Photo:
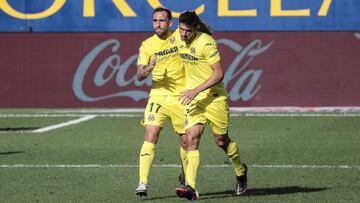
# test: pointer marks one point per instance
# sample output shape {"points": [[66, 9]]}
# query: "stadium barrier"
{"points": [[262, 69]]}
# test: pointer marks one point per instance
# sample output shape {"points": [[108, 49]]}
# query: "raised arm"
{"points": [[144, 70]]}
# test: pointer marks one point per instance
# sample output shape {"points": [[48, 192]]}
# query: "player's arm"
{"points": [[144, 70], [217, 76]]}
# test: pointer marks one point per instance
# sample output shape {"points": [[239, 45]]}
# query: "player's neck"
{"points": [[164, 36]]}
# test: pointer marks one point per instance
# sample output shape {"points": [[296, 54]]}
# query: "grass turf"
{"points": [[267, 144]]}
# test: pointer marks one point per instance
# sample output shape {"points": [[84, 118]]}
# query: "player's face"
{"points": [[161, 24], [187, 33]]}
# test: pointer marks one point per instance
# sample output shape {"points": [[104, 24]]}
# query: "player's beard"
{"points": [[185, 39], [188, 39], [161, 33]]}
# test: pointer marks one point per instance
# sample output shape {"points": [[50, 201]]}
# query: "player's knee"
{"points": [[193, 140], [222, 141], [183, 142], [152, 136]]}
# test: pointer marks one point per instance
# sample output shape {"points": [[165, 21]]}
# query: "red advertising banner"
{"points": [[262, 69]]}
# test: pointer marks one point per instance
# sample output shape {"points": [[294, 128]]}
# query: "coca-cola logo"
{"points": [[244, 80], [118, 71], [357, 35]]}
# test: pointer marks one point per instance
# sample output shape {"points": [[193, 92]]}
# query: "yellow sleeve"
{"points": [[144, 55], [211, 52]]}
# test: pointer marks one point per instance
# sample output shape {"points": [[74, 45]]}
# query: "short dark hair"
{"points": [[160, 9], [191, 19]]}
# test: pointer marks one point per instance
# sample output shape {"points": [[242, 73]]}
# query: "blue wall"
{"points": [[135, 15]]}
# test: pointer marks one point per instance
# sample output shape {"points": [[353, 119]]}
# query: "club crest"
{"points": [[151, 117]]}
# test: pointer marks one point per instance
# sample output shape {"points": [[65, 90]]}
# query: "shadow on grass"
{"points": [[17, 129], [10, 153], [252, 192], [263, 192]]}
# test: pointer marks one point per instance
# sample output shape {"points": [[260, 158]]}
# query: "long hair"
{"points": [[192, 20]]}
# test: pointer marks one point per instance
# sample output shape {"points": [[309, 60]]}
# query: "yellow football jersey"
{"points": [[197, 58], [168, 76]]}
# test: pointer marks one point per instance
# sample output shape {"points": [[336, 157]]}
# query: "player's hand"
{"points": [[144, 70], [187, 96], [152, 63]]}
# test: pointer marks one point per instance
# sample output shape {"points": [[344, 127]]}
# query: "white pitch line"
{"points": [[126, 115], [111, 110], [295, 115], [172, 166], [269, 109], [66, 115], [61, 125]]}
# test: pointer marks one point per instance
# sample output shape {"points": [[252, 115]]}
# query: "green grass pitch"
{"points": [[295, 157]]}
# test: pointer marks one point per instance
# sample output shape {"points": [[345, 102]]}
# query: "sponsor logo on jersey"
{"points": [[167, 51], [189, 57]]}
